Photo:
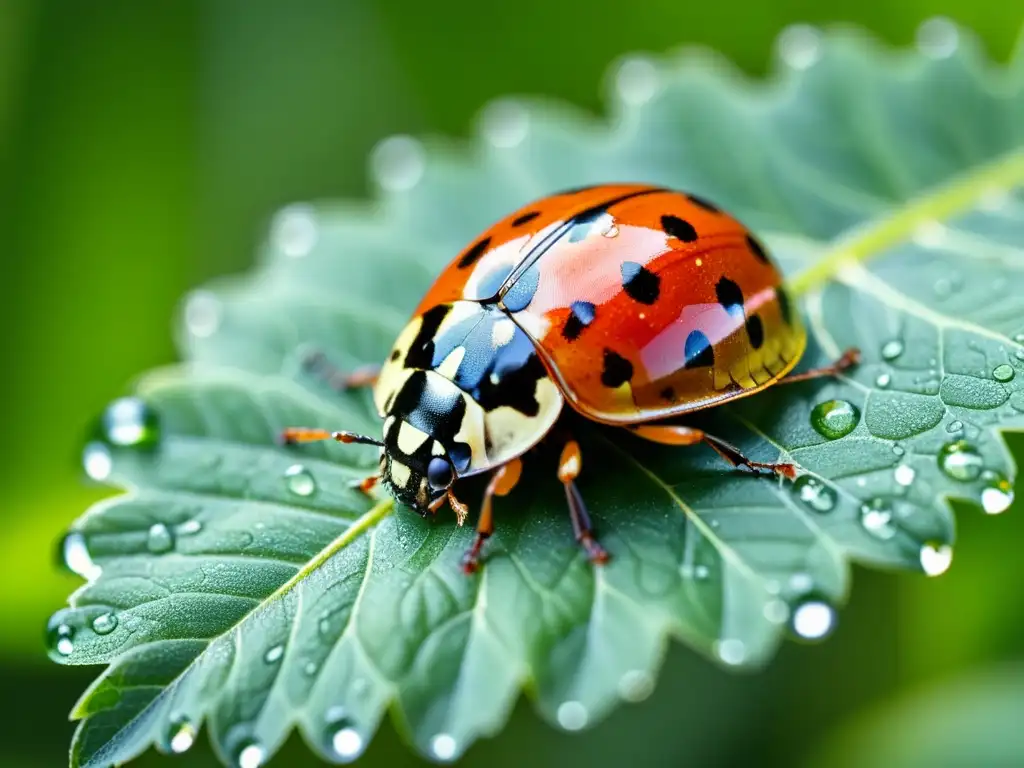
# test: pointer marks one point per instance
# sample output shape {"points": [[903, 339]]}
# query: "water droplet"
{"points": [[274, 654], [801, 582], [943, 288], [61, 639], [1019, 337], [876, 517], [898, 449], [636, 685], [300, 480], [904, 475], [955, 426], [159, 539], [834, 418], [444, 746], [325, 626], [815, 494], [310, 668], [961, 461], [776, 611], [883, 380], [343, 736], [1003, 373], [937, 38], [731, 651], [294, 230], [572, 715], [636, 80], [505, 123], [203, 312], [250, 754], [701, 572], [76, 558], [813, 619], [936, 559], [97, 462], [129, 422], [799, 46], [104, 624], [182, 735], [398, 163], [1019, 354], [190, 527], [997, 495], [892, 349]]}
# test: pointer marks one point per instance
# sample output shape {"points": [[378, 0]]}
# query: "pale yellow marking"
{"points": [[450, 365], [393, 373], [410, 439], [400, 473], [512, 434], [437, 449]]}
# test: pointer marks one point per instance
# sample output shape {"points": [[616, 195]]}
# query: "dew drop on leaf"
{"points": [[876, 517], [960, 461], [105, 623], [883, 380], [955, 426], [898, 449], [505, 123], [75, 557], [97, 462], [249, 754], [776, 611], [936, 558], [731, 651], [997, 495], [310, 668], [815, 494], [300, 480], [398, 163], [190, 527], [344, 738], [701, 572], [636, 685], [202, 314], [892, 349], [835, 418], [904, 475], [1003, 373], [129, 422], [799, 46], [61, 639], [159, 539], [937, 38], [181, 736], [813, 619], [274, 654], [294, 231], [443, 746], [572, 715], [636, 80]]}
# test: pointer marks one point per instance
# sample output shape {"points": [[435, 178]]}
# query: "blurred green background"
{"points": [[143, 148]]}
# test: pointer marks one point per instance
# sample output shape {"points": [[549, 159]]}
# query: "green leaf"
{"points": [[249, 589]]}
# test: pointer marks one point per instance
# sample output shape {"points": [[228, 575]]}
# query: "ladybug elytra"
{"points": [[630, 303]]}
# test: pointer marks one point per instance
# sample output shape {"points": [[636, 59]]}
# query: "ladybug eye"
{"points": [[439, 473]]}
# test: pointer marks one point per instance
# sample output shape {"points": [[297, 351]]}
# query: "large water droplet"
{"points": [[835, 418], [813, 619], [294, 230], [892, 349], [345, 739], [202, 313], [876, 517], [75, 556], [274, 654], [898, 449], [937, 38], [936, 558], [883, 380], [444, 746], [105, 623], [505, 123], [572, 715], [97, 461], [636, 80], [731, 651], [129, 422], [181, 735], [961, 461], [61, 639], [1003, 373], [398, 163], [300, 480], [815, 494], [904, 475], [799, 46], [997, 495], [636, 685], [159, 539], [250, 754]]}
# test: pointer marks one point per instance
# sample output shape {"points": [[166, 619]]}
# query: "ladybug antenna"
{"points": [[293, 435]]}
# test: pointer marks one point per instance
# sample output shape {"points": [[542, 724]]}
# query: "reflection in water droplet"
{"points": [[937, 38], [250, 755], [182, 735], [776, 611], [274, 655], [898, 449], [936, 559], [129, 422], [159, 539], [505, 123], [190, 527], [1003, 373], [955, 426], [104, 624], [636, 685], [572, 715], [904, 475], [799, 46], [76, 558], [876, 517], [731, 651], [834, 419], [892, 349], [300, 480], [444, 746], [343, 736], [960, 461], [815, 494], [636, 80], [61, 639], [203, 312], [295, 230], [997, 496], [813, 619], [398, 163], [883, 380], [97, 462]]}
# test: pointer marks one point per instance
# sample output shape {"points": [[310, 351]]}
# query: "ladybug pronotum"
{"points": [[630, 303]]}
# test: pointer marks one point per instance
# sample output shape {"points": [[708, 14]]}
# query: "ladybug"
{"points": [[629, 303]]}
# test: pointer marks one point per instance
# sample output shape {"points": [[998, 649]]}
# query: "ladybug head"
{"points": [[419, 470]]}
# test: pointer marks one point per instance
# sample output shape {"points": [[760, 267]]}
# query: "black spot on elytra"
{"points": [[698, 351], [395, 354], [421, 351], [581, 314], [520, 294], [755, 331], [730, 296], [640, 283], [784, 306], [704, 203], [678, 228], [617, 370], [470, 257], [756, 248], [518, 221], [668, 394]]}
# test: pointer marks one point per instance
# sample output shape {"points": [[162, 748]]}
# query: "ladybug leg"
{"points": [[317, 363], [848, 359], [502, 482], [367, 484], [295, 435], [671, 434], [569, 467]]}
